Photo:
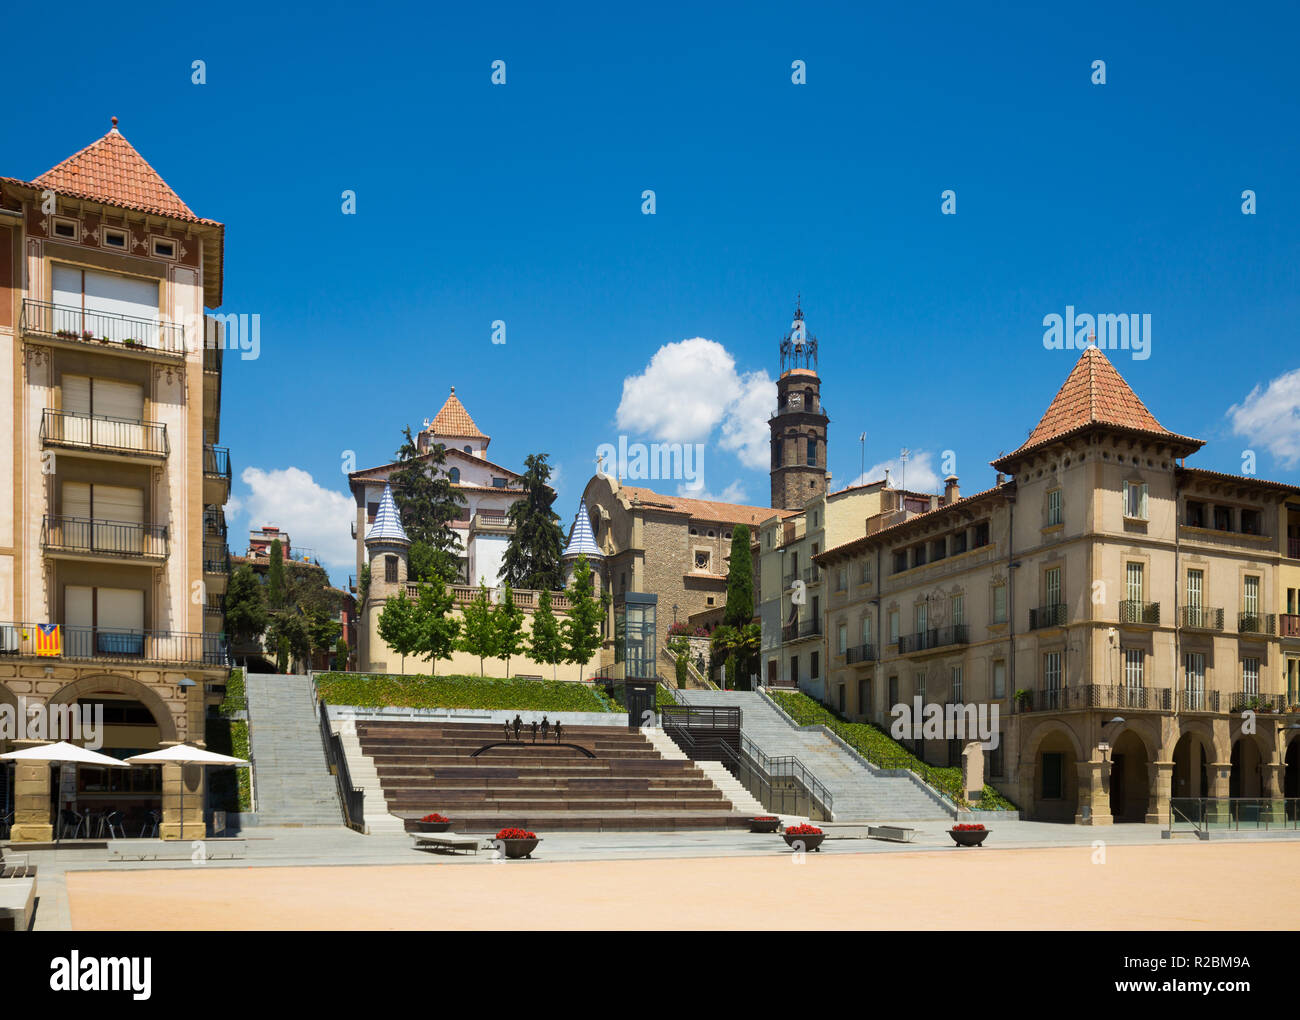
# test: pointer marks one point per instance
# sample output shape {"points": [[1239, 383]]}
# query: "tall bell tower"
{"points": [[799, 422]]}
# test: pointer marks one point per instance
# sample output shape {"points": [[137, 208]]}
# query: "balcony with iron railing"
{"points": [[76, 326], [104, 435], [801, 630], [214, 522], [1240, 701], [1135, 612], [216, 461], [1047, 616], [1293, 548], [1198, 701], [94, 538], [1095, 696], [859, 654], [1202, 618], [216, 558], [113, 644], [1256, 623], [935, 637]]}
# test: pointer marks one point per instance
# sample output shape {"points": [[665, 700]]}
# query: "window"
{"points": [[701, 559], [1134, 660], [938, 549], [1052, 679], [1250, 596], [866, 630], [900, 561], [866, 571], [893, 626], [958, 604], [1195, 514], [66, 229], [1250, 522], [812, 452], [1195, 587], [843, 633], [1134, 582], [1250, 676], [957, 686], [918, 686], [958, 542], [1135, 500], [999, 603], [794, 670], [114, 238], [390, 569], [1222, 518], [454, 475], [842, 579], [1194, 680], [103, 297], [980, 535], [997, 760], [498, 483], [814, 665], [1292, 679], [922, 616], [999, 679], [371, 510], [1053, 774], [816, 519], [163, 248], [893, 691], [1052, 586], [468, 449], [918, 556], [1054, 507]]}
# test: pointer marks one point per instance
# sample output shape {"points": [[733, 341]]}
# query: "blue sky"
{"points": [[522, 203]]}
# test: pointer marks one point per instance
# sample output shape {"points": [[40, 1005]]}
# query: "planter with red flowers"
{"points": [[803, 837], [968, 834], [764, 823], [516, 843], [431, 823]]}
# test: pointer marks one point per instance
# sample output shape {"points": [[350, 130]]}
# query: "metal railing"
{"points": [[214, 523], [813, 407], [1289, 625], [802, 629], [860, 653], [1240, 701], [820, 802], [1083, 696], [216, 461], [114, 645], [93, 536], [935, 637], [76, 324], [1047, 616], [351, 798], [104, 432], [1256, 623], [216, 558], [1203, 815], [1133, 611], [1199, 618], [1198, 701], [1293, 548]]}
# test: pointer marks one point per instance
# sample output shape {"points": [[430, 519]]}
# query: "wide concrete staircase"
{"points": [[294, 784], [426, 767], [859, 794]]}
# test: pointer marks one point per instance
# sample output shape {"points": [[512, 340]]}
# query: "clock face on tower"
{"points": [[796, 399]]}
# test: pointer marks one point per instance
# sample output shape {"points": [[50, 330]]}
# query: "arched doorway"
{"points": [[1191, 776], [1246, 779], [1056, 771], [1130, 778], [1291, 780]]}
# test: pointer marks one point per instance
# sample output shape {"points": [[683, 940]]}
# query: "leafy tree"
{"points": [[740, 580], [478, 634], [282, 656], [289, 629], [435, 627], [581, 630], [397, 626], [246, 615], [341, 655], [323, 629], [532, 556], [425, 563], [508, 623], [275, 577], [428, 503], [739, 646], [545, 643]]}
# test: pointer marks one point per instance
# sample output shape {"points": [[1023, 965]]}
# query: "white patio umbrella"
{"points": [[184, 754], [63, 753]]}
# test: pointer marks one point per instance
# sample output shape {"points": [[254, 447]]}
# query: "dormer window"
{"points": [[66, 229], [454, 475], [164, 248], [114, 238], [469, 450]]}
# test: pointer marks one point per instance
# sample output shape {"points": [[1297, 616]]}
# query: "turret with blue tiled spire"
{"points": [[582, 542], [388, 521], [388, 549]]}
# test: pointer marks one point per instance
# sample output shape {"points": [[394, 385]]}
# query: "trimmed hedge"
{"points": [[366, 690], [882, 750], [235, 693], [230, 787]]}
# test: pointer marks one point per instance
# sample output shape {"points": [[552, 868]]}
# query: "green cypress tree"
{"points": [[582, 628], [275, 578], [740, 580], [428, 503], [532, 556]]}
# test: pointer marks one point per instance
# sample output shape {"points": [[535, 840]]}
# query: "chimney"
{"points": [[950, 491], [1001, 479]]}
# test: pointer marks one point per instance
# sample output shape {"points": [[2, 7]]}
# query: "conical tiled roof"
{"points": [[1094, 393], [111, 171], [454, 420], [388, 522], [581, 541]]}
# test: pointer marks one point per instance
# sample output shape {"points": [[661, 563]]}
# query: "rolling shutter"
{"points": [[119, 609], [117, 401]]}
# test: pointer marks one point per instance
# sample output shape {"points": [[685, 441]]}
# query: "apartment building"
{"points": [[113, 560], [1125, 613]]}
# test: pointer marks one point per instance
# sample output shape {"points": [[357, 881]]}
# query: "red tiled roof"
{"points": [[111, 171], [1094, 393], [454, 420], [704, 509]]}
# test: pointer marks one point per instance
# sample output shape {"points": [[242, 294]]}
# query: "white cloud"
{"points": [[316, 518], [691, 387], [920, 476], [1270, 417], [733, 493]]}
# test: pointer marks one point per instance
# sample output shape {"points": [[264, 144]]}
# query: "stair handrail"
{"points": [[789, 766], [351, 797]]}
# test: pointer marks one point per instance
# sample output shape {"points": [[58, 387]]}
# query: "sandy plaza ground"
{"points": [[1173, 885]]}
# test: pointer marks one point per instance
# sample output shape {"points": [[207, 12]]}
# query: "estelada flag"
{"points": [[49, 639]]}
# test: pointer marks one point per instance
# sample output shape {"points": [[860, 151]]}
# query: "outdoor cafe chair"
{"points": [[70, 819], [151, 824], [113, 821]]}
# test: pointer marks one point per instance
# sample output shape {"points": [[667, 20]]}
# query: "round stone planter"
{"points": [[517, 848], [418, 826], [803, 842], [968, 837], [764, 824]]}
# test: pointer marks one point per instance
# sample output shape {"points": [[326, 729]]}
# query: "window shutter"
{"points": [[120, 609], [1142, 501]]}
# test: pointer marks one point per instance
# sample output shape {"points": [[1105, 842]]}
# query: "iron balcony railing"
{"points": [[1198, 701], [860, 653], [1256, 623], [1133, 611], [214, 522], [216, 461], [1084, 696], [76, 324], [1199, 618], [811, 575], [1047, 616], [216, 558], [800, 630], [788, 580], [93, 536], [104, 432], [1293, 548], [1241, 701], [935, 637], [114, 644]]}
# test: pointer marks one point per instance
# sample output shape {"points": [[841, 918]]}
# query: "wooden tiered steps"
{"points": [[426, 767]]}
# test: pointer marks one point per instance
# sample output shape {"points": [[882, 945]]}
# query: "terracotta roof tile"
{"points": [[111, 171], [454, 420], [704, 509]]}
